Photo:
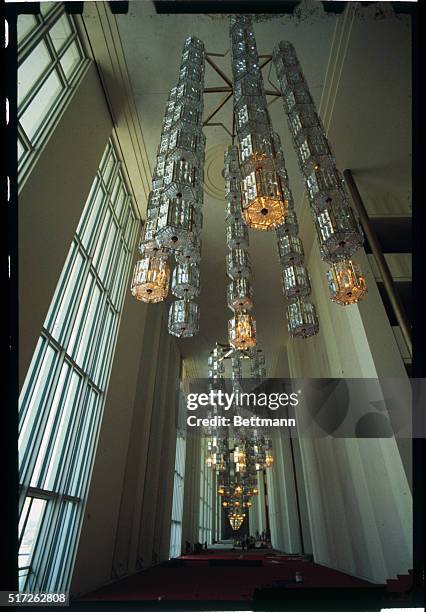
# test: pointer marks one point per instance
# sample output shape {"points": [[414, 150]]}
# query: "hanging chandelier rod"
{"points": [[266, 62], [217, 108], [217, 89], [268, 92], [218, 70], [230, 350], [229, 89]]}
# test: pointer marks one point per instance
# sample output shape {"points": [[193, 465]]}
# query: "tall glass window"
{"points": [[205, 523], [50, 62], [62, 398], [177, 507]]}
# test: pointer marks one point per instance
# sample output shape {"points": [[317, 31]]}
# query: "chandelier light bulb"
{"points": [[346, 283], [242, 331], [150, 282]]}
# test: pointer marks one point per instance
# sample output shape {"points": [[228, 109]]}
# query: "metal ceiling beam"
{"points": [[218, 70], [218, 89], [217, 108]]}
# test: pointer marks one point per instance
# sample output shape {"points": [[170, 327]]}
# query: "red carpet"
{"points": [[196, 579]]}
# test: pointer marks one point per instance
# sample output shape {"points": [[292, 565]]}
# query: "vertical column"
{"points": [[260, 501], [148, 543], [191, 498]]}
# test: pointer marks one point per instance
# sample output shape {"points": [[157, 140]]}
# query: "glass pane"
{"points": [[102, 356], [84, 445], [50, 426], [31, 69], [75, 334], [60, 32], [115, 293], [32, 528], [21, 150], [118, 181], [35, 398], [92, 222], [129, 227], [104, 268], [105, 156], [101, 239], [70, 60], [62, 320], [113, 262], [87, 208], [46, 7], [25, 24], [41, 105], [89, 328], [65, 529], [119, 203], [68, 411], [23, 516], [107, 172]]}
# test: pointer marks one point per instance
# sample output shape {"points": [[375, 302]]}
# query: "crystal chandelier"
{"points": [[242, 331], [174, 215], [237, 460], [257, 195], [242, 326], [150, 282], [347, 285], [263, 201], [236, 519], [338, 230]]}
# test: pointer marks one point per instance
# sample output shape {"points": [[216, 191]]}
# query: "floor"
{"points": [[223, 574]]}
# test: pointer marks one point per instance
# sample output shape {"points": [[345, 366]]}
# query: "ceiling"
{"points": [[152, 45]]}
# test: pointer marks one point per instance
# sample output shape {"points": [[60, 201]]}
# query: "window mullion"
{"points": [[21, 535], [24, 138], [56, 64]]}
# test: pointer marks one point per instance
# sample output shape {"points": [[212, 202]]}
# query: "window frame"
{"points": [[39, 34], [63, 473], [175, 548]]}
